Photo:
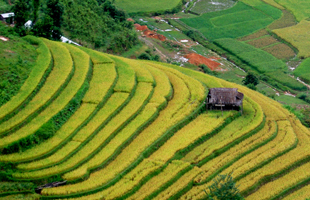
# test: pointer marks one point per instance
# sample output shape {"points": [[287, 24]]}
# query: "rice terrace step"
{"points": [[139, 129]]}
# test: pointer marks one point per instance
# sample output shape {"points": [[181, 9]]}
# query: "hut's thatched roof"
{"points": [[225, 96]]}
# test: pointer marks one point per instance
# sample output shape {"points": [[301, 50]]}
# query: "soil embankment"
{"points": [[148, 33], [197, 60]]}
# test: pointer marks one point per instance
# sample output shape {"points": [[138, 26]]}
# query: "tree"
{"points": [[144, 56], [49, 25], [223, 188], [43, 27], [55, 10], [21, 10], [250, 79], [36, 5]]}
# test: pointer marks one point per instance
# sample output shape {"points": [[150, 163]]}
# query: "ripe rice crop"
{"points": [[130, 144], [115, 144], [180, 184], [196, 192], [61, 70], [283, 183], [252, 117], [263, 42], [163, 89], [103, 79], [285, 139], [143, 75], [97, 57], [189, 134], [81, 60], [42, 64], [60, 136], [100, 137], [300, 8], [156, 182], [282, 163], [196, 88], [235, 153], [126, 76], [302, 193], [303, 71], [143, 91], [150, 134], [116, 100], [54, 158], [297, 36], [126, 183], [78, 117]]}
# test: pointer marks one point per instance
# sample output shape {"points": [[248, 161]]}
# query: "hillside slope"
{"points": [[137, 129]]}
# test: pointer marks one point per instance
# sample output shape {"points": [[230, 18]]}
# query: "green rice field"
{"points": [[227, 23], [145, 6], [303, 70]]}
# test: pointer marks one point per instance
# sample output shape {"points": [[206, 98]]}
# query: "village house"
{"points": [[225, 99]]}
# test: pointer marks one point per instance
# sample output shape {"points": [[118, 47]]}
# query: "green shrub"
{"points": [[223, 188]]}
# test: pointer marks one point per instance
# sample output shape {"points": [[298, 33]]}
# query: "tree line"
{"points": [[96, 24]]}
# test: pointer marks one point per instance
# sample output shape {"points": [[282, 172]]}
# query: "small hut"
{"points": [[225, 99], [7, 17]]}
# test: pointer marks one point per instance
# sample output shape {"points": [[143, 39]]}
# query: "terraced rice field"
{"points": [[227, 23], [298, 36], [141, 131], [260, 61], [303, 70], [300, 8]]}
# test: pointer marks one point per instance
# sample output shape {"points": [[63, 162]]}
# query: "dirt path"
{"points": [[308, 86], [150, 44]]}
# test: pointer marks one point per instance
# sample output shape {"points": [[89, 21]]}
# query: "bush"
{"points": [[250, 79], [223, 188]]}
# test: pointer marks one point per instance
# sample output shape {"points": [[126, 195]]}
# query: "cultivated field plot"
{"points": [[287, 19], [260, 61], [204, 6], [144, 6], [300, 8], [303, 70], [227, 23], [274, 3], [298, 36], [263, 40], [139, 130]]}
